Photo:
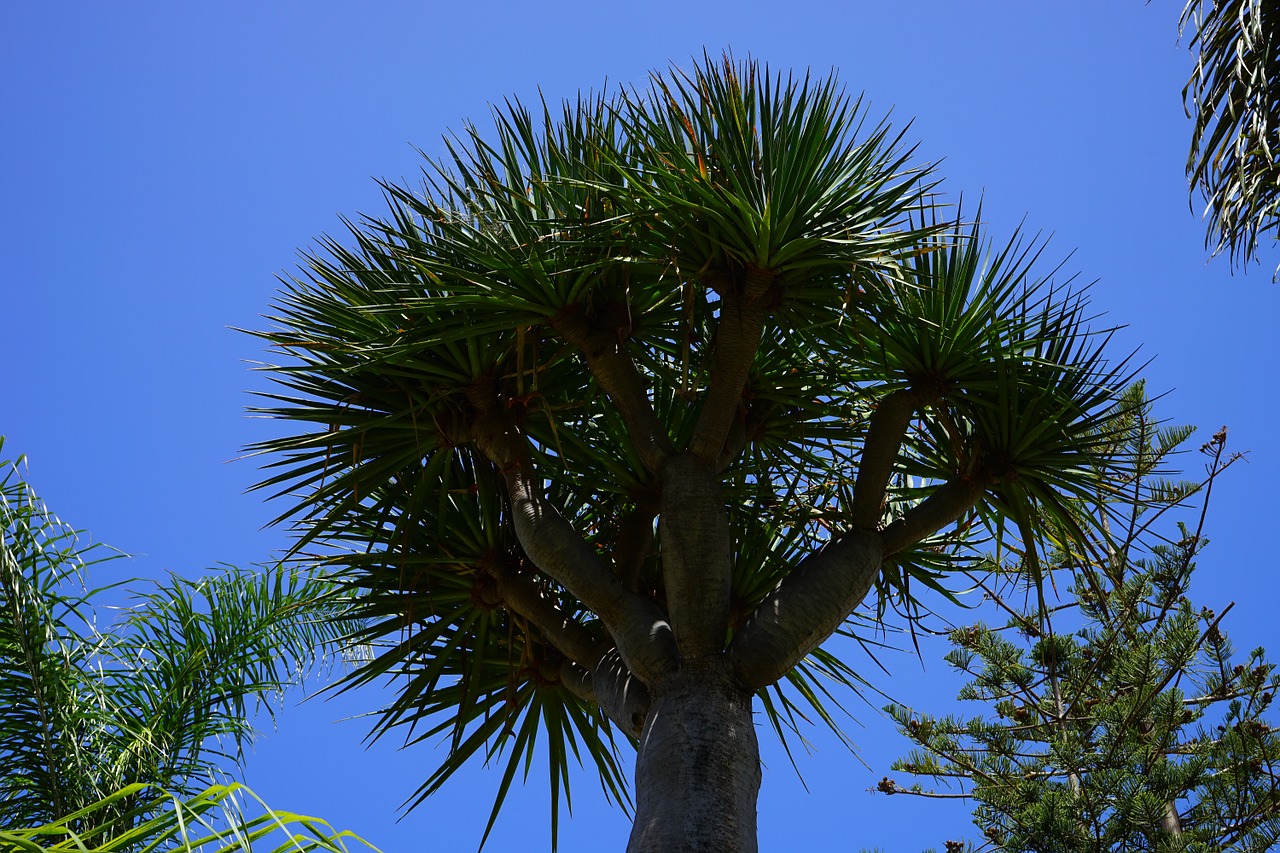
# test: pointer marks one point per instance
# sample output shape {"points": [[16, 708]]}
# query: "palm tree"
{"points": [[618, 419], [1234, 98], [119, 737]]}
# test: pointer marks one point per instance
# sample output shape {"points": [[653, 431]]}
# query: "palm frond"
{"points": [[56, 713], [162, 696], [139, 818], [195, 659], [1233, 97]]}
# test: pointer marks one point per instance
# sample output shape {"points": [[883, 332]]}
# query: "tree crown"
{"points": [[666, 375]]}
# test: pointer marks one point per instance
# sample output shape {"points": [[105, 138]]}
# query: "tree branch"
{"points": [[616, 373], [638, 626], [618, 694], [636, 623], [633, 545], [948, 503], [805, 608], [525, 596], [891, 786], [621, 696], [885, 432], [817, 596], [592, 670], [741, 323], [577, 680]]}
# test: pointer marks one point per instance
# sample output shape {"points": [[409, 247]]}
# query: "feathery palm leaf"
{"points": [[212, 821], [164, 697], [54, 717], [1233, 97]]}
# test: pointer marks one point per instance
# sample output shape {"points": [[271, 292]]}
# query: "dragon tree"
{"points": [[612, 422]]}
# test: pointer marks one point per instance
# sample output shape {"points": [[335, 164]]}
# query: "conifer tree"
{"points": [[1118, 720]]}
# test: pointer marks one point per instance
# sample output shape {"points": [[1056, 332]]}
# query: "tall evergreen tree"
{"points": [[1117, 721]]}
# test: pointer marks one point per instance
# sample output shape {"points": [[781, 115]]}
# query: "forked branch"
{"points": [[815, 598], [522, 593], [737, 340], [885, 433], [636, 623], [805, 608], [616, 373]]}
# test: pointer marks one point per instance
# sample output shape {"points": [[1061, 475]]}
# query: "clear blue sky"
{"points": [[161, 162]]}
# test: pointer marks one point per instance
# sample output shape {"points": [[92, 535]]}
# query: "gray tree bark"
{"points": [[698, 767]]}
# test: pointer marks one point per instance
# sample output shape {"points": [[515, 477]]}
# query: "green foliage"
{"points": [[97, 721], [1130, 730], [1234, 98], [141, 818], [730, 264]]}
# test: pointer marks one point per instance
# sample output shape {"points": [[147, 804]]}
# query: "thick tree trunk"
{"points": [[698, 768]]}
